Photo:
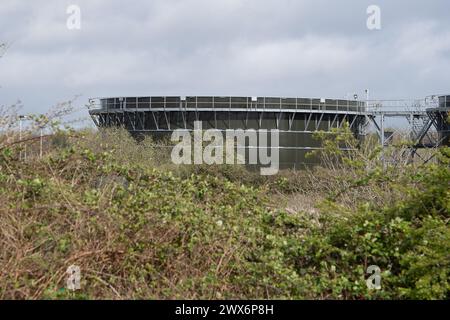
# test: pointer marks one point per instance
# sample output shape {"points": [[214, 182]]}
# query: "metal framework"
{"points": [[427, 120], [295, 118], [117, 111]]}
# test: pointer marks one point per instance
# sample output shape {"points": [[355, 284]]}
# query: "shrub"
{"points": [[141, 230]]}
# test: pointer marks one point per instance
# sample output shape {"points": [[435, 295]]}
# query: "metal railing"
{"points": [[247, 103], [402, 106]]}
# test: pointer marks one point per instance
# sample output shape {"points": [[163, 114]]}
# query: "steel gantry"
{"points": [[427, 122]]}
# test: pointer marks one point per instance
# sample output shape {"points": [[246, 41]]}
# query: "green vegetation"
{"points": [[139, 227]]}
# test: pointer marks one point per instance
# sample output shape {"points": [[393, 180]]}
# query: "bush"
{"points": [[135, 232], [409, 240], [141, 230]]}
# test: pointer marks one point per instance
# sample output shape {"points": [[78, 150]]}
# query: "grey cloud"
{"points": [[247, 47]]}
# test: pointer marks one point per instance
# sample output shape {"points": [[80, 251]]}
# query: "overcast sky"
{"points": [[222, 47]]}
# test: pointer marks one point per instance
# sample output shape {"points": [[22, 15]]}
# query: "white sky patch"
{"points": [[424, 43], [307, 56]]}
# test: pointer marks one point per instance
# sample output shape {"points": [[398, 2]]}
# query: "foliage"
{"points": [[409, 240], [139, 228]]}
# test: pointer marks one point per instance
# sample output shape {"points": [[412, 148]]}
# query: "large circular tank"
{"points": [[295, 118]]}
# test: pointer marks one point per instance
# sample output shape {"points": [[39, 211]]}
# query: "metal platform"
{"points": [[428, 125]]}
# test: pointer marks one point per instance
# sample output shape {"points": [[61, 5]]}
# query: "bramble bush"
{"points": [[149, 231]]}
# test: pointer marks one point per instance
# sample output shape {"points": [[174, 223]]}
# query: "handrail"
{"points": [[247, 103]]}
